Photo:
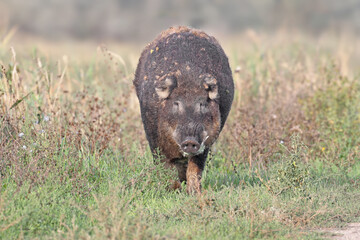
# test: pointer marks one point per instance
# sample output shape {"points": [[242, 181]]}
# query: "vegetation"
{"points": [[74, 161]]}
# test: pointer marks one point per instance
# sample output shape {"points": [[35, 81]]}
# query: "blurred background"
{"points": [[141, 20]]}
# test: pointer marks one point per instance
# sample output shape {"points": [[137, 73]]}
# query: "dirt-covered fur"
{"points": [[185, 89]]}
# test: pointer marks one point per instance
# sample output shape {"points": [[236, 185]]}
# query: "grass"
{"points": [[74, 160]]}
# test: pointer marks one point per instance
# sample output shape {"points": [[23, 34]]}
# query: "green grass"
{"points": [[74, 161], [121, 199]]}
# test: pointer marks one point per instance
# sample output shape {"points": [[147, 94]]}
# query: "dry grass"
{"points": [[71, 133]]}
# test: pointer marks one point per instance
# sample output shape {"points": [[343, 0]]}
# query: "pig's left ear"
{"points": [[164, 86], [210, 84]]}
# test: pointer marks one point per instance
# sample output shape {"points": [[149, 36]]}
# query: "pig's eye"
{"points": [[203, 108], [177, 107]]}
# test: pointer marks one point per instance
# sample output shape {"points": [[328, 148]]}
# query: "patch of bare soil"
{"points": [[351, 232]]}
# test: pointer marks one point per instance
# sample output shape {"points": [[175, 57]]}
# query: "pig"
{"points": [[185, 89]]}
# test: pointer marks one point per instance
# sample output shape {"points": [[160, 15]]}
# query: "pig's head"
{"points": [[189, 115]]}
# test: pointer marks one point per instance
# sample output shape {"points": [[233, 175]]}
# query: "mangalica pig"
{"points": [[185, 88]]}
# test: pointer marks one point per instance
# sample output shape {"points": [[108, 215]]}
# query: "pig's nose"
{"points": [[190, 146]]}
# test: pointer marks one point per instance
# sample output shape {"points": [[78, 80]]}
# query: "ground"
{"points": [[75, 163]]}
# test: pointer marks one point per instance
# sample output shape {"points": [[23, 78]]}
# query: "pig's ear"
{"points": [[165, 86], [210, 85]]}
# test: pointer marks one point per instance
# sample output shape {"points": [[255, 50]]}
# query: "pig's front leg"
{"points": [[193, 175]]}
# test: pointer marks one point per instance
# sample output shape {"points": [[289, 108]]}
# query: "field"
{"points": [[75, 164]]}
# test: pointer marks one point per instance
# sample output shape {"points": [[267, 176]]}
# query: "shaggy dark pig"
{"points": [[185, 88]]}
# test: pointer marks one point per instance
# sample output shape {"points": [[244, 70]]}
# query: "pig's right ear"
{"points": [[210, 85], [165, 86]]}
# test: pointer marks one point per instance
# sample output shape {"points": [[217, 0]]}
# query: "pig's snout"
{"points": [[190, 146]]}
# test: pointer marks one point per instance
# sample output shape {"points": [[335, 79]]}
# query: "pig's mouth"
{"points": [[189, 149]]}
